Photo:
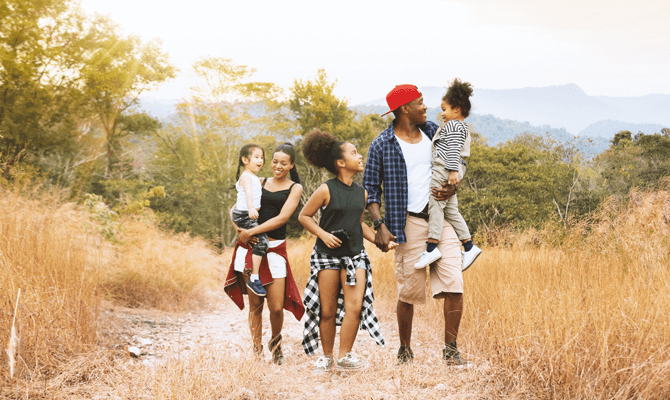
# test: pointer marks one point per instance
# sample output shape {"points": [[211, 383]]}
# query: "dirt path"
{"points": [[223, 329], [160, 335]]}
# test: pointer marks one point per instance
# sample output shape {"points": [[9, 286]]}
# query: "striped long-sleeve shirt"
{"points": [[449, 144]]}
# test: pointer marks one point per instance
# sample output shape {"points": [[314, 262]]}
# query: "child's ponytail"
{"points": [[289, 150], [245, 151]]}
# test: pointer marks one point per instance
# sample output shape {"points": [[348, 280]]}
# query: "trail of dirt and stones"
{"points": [[222, 327]]}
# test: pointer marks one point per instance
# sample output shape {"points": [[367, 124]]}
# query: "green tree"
{"points": [[622, 137], [523, 182], [198, 149], [634, 161], [315, 105], [115, 74], [43, 44]]}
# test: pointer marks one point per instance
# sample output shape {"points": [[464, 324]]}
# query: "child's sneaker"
{"points": [[323, 364], [350, 361], [256, 287], [428, 257], [469, 257]]}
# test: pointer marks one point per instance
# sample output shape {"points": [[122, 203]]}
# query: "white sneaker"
{"points": [[469, 257], [426, 258], [350, 362], [323, 364]]}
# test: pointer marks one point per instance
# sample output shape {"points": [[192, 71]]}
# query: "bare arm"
{"points": [[245, 181], [368, 233], [280, 220], [319, 199]]}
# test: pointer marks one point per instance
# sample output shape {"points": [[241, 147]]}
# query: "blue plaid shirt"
{"points": [[386, 167]]}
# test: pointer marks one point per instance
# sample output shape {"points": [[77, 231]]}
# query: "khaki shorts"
{"points": [[445, 273]]}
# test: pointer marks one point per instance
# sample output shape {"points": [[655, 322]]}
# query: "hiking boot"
{"points": [[258, 352], [323, 364], [469, 257], [256, 287], [275, 348], [428, 257], [350, 361], [452, 356], [405, 355]]}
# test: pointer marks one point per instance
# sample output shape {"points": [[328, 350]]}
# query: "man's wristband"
{"points": [[377, 223]]}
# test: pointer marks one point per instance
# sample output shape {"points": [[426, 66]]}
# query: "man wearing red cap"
{"points": [[399, 161]]}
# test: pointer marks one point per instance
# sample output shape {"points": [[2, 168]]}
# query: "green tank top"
{"points": [[343, 211]]}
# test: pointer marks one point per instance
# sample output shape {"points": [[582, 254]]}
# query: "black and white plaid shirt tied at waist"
{"points": [[369, 321]]}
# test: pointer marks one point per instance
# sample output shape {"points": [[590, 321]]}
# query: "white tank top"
{"points": [[256, 190], [418, 161]]}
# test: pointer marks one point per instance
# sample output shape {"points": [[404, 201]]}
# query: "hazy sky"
{"points": [[613, 48]]}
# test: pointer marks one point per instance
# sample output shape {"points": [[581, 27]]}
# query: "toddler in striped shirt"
{"points": [[451, 144]]}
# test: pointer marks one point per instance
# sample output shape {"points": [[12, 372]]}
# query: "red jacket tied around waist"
{"points": [[235, 287]]}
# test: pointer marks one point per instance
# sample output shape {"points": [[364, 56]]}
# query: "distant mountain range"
{"points": [[564, 106], [562, 111], [497, 130]]}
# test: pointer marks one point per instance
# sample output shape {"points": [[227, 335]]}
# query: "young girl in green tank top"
{"points": [[339, 265]]}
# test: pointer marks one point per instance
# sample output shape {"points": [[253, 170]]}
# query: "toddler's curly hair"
{"points": [[458, 95]]}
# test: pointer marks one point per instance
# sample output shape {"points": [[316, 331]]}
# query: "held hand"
{"points": [[445, 192], [393, 245], [383, 238], [253, 214], [331, 240]]}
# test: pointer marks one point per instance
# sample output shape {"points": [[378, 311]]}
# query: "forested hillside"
{"points": [[70, 118]]}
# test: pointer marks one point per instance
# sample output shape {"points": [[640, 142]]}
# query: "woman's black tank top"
{"points": [[343, 211], [271, 205]]}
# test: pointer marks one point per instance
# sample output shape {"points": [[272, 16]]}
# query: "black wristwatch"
{"points": [[376, 223]]}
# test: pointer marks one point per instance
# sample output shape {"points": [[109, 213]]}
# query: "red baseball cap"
{"points": [[401, 95]]}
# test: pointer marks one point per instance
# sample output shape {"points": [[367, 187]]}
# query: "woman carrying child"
{"points": [[280, 198], [340, 271]]}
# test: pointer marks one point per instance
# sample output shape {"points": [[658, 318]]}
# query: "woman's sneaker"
{"points": [[256, 287], [350, 361], [323, 364]]}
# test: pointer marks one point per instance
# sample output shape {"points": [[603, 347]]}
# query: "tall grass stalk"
{"points": [[13, 339], [45, 251]]}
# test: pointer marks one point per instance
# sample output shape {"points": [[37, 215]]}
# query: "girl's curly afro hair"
{"points": [[322, 149]]}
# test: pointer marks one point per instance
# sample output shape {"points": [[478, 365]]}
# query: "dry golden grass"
{"points": [[583, 320], [556, 313], [156, 269], [54, 254], [586, 319], [45, 252]]}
